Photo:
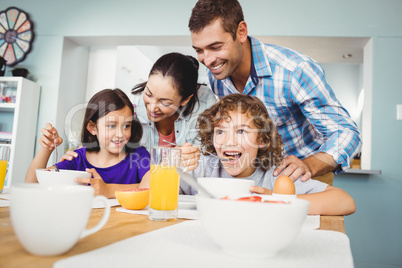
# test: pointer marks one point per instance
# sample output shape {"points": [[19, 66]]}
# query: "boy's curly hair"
{"points": [[270, 154]]}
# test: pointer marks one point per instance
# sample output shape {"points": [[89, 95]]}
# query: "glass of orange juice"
{"points": [[164, 186], [4, 153]]}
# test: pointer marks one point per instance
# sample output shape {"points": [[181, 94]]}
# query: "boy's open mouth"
{"points": [[232, 155]]}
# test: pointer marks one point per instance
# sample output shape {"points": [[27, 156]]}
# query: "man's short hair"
{"points": [[206, 12]]}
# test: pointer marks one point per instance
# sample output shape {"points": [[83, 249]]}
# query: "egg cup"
{"points": [[285, 197]]}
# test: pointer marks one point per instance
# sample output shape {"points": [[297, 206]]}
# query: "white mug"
{"points": [[49, 220]]}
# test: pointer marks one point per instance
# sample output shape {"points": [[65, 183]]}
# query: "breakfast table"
{"points": [[119, 227]]}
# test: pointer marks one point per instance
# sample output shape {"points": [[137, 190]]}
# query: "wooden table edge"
{"points": [[115, 230]]}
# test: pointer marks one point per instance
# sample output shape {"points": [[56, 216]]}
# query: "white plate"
{"points": [[187, 202]]}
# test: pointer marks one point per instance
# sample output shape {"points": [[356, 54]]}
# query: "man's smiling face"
{"points": [[217, 50]]}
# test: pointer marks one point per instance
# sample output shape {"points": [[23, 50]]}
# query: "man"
{"points": [[318, 134]]}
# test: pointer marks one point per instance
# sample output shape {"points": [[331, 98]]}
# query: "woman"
{"points": [[169, 103]]}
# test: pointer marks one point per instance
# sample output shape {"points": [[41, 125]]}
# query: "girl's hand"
{"points": [[96, 182], [49, 137], [260, 190], [190, 156]]}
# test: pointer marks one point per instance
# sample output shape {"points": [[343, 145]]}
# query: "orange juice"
{"points": [[164, 188], [3, 170]]}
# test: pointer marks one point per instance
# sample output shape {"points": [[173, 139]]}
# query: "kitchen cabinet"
{"points": [[19, 104]]}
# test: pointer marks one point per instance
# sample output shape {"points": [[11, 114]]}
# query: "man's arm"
{"points": [[320, 164], [340, 136]]}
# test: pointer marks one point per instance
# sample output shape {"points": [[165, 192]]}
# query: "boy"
{"points": [[239, 127]]}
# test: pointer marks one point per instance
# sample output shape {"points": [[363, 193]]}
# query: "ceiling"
{"points": [[323, 49]]}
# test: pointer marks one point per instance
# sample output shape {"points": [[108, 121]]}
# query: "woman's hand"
{"points": [[69, 156], [190, 155], [49, 137], [96, 182]]}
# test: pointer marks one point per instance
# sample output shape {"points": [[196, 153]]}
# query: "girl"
{"points": [[239, 127], [110, 133]]}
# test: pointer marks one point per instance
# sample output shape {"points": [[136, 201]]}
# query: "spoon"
{"points": [[55, 164], [217, 157], [188, 178], [55, 150]]}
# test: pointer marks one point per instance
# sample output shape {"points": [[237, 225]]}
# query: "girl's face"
{"points": [[237, 138], [161, 99], [113, 130]]}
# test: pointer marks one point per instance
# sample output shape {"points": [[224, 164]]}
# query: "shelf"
{"points": [[362, 172], [7, 107], [18, 125], [5, 135], [5, 138]]}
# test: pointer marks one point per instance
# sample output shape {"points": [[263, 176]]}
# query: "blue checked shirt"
{"points": [[300, 102]]}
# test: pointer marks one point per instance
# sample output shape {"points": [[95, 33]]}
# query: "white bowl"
{"points": [[46, 177], [221, 187], [252, 229]]}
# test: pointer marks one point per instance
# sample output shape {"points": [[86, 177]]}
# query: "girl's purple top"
{"points": [[128, 171]]}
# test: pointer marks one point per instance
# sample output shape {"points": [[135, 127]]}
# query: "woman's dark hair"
{"points": [[207, 11], [102, 103], [183, 70], [270, 154]]}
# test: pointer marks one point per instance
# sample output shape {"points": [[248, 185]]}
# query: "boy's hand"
{"points": [[49, 137], [190, 156], [95, 182], [260, 190]]}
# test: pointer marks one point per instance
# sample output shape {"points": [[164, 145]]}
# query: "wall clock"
{"points": [[16, 35]]}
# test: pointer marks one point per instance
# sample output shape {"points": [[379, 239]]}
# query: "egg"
{"points": [[284, 185]]}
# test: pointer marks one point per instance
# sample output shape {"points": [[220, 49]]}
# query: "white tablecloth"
{"points": [[187, 245]]}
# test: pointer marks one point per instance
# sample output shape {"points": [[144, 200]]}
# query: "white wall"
{"points": [[346, 82], [132, 68], [101, 70], [368, 104], [125, 66]]}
